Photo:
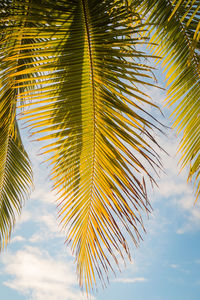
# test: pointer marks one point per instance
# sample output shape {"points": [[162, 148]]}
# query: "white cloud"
{"points": [[17, 238], [170, 188], [191, 212], [24, 217], [49, 221], [44, 195], [174, 266], [49, 228], [130, 280], [39, 276], [36, 237], [173, 186]]}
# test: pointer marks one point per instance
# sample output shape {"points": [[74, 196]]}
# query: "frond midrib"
{"points": [[5, 158], [91, 63]]}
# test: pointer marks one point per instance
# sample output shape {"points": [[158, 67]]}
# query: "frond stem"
{"points": [[86, 20], [6, 156]]}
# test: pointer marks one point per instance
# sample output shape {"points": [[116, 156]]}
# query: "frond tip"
{"points": [[15, 181]]}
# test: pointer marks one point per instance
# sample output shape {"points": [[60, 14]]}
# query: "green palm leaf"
{"points": [[82, 79]]}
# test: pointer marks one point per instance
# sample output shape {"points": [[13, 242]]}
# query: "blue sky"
{"points": [[37, 265]]}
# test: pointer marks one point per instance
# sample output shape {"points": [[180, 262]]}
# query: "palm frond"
{"points": [[176, 32], [15, 169], [15, 180], [84, 99]]}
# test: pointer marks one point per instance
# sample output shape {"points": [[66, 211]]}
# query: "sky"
{"points": [[37, 265]]}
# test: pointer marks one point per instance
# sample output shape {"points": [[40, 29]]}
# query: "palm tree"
{"points": [[75, 69]]}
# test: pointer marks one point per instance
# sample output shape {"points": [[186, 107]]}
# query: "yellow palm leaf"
{"points": [[176, 30], [79, 67]]}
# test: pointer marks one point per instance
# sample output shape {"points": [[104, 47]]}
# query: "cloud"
{"points": [[173, 186], [24, 217], [45, 216], [48, 228], [49, 221], [190, 212], [44, 195], [174, 266], [39, 276], [130, 280], [36, 238], [17, 238]]}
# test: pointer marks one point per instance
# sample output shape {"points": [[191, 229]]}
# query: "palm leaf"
{"points": [[84, 99], [15, 169], [175, 30], [15, 180]]}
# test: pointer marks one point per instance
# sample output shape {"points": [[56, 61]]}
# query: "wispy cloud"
{"points": [[24, 217], [173, 186], [17, 238], [49, 228], [43, 194], [174, 266], [39, 276], [130, 280]]}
